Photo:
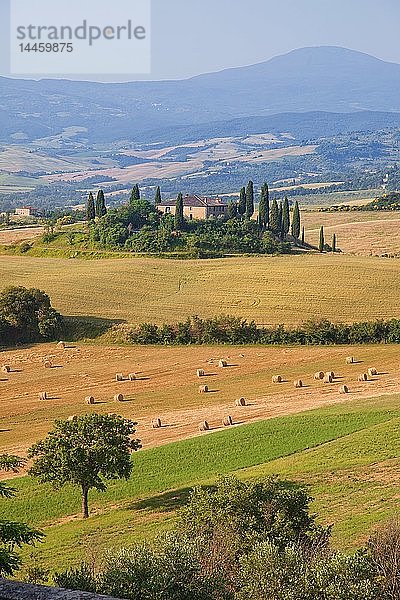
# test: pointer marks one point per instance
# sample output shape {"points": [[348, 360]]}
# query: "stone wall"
{"points": [[15, 590]]}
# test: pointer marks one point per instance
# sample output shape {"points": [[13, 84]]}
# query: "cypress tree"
{"points": [[334, 243], [250, 200], [303, 235], [280, 217], [242, 202], [90, 208], [274, 219], [179, 220], [296, 221], [232, 210], [285, 218], [157, 199], [263, 209], [135, 194], [321, 240], [100, 204]]}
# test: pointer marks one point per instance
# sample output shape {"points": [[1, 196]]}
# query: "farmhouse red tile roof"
{"points": [[196, 201]]}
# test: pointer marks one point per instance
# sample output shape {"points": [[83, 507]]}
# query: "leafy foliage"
{"points": [[226, 329], [13, 535], [243, 540], [26, 315], [85, 451]]}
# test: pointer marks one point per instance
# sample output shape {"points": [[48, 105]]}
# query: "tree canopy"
{"points": [[86, 452], [26, 315]]}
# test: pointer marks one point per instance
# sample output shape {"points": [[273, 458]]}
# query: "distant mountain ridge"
{"points": [[322, 79]]}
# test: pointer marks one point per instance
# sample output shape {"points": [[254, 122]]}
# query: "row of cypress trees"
{"points": [[96, 208], [271, 216]]}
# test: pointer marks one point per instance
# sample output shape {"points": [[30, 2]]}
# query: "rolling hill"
{"points": [[327, 79]]}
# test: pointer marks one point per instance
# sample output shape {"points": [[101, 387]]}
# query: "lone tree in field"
{"points": [[179, 220], [101, 209], [274, 224], [263, 209], [321, 244], [158, 199], [28, 316], [85, 451], [13, 535], [90, 208], [296, 221], [250, 200], [285, 218], [135, 194], [242, 202], [334, 243]]}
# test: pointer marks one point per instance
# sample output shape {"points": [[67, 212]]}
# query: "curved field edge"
{"points": [[269, 290], [327, 449]]}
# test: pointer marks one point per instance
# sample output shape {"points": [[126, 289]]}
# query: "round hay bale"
{"points": [[328, 378], [372, 372], [298, 383], [119, 398], [119, 377], [331, 373], [200, 373], [72, 418], [47, 364], [61, 345], [344, 389], [227, 421], [6, 369], [240, 402], [319, 375], [350, 360], [43, 396], [204, 426], [156, 424], [89, 400], [363, 377], [276, 379], [222, 363], [203, 389], [132, 377]]}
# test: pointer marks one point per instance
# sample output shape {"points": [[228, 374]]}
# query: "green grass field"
{"points": [[284, 289], [346, 454]]}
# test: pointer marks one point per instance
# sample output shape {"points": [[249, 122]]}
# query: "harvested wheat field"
{"points": [[270, 290], [167, 387], [360, 233]]}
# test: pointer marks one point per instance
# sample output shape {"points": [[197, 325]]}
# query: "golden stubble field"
{"points": [[270, 290], [369, 233], [167, 386]]}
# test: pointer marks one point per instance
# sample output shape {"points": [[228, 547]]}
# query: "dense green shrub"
{"points": [[26, 315], [246, 541], [233, 330]]}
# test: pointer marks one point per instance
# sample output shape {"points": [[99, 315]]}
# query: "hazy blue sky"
{"points": [[190, 37], [196, 36]]}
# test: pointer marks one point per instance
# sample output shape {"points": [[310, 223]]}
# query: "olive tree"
{"points": [[85, 451]]}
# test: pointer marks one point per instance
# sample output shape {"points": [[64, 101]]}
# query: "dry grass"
{"points": [[167, 386], [286, 289], [12, 236]]}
